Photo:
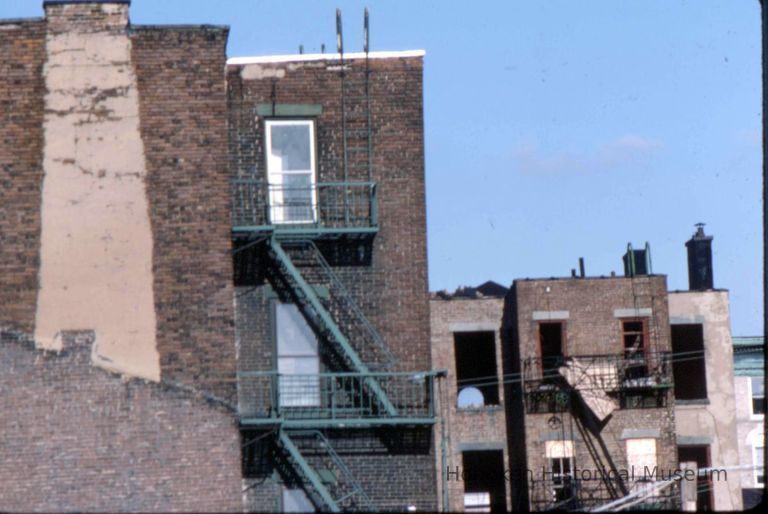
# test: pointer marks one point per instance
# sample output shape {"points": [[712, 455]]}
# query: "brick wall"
{"points": [[592, 328], [22, 44], [81, 438], [392, 290], [390, 283], [479, 426], [183, 126]]}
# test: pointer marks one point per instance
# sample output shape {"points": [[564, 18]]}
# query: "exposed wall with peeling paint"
{"points": [[96, 242]]}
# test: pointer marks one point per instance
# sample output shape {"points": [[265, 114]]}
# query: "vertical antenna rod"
{"points": [[339, 39], [365, 30]]}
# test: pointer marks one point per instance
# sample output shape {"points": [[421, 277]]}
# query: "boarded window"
{"points": [[688, 367], [641, 457], [700, 455], [476, 366]]}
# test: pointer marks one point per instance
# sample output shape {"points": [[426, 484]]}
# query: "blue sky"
{"points": [[557, 129]]}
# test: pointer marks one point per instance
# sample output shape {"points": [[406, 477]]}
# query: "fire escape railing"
{"points": [[335, 399], [321, 208]]}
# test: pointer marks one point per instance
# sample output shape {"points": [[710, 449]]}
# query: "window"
{"points": [[484, 482], [298, 362], [688, 367], [758, 457], [560, 459], [700, 455], [641, 457], [476, 374], [634, 335], [757, 386], [291, 171], [551, 346]]}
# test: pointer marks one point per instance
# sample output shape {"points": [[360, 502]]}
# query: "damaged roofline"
{"points": [[266, 59]]}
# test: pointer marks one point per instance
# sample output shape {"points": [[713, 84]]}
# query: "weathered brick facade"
{"points": [[478, 428], [183, 123], [386, 276], [22, 43], [591, 310], [76, 438]]}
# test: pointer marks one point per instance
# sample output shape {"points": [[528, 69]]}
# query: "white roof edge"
{"points": [[266, 59]]}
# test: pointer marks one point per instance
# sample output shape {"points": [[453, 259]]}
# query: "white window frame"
{"points": [[561, 451], [752, 413], [279, 213], [757, 472], [296, 389]]}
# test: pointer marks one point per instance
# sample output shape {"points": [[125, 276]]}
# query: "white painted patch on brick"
{"points": [[96, 240]]}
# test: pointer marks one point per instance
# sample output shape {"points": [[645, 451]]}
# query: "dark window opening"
{"points": [[257, 456], [551, 342], [758, 395], [699, 455], [688, 368], [476, 368], [484, 481], [634, 335]]}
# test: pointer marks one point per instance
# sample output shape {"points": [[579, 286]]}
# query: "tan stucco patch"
{"points": [[257, 71], [96, 240]]}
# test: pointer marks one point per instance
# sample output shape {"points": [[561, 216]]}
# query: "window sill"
{"points": [[484, 408], [698, 401]]}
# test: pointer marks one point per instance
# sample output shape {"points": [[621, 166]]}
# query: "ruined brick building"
{"points": [[213, 286], [561, 394]]}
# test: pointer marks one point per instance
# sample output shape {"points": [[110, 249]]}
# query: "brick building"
{"points": [[332, 320], [213, 274], [592, 357], [473, 451]]}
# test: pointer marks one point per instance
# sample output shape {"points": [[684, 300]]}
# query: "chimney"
{"points": [[700, 260]]}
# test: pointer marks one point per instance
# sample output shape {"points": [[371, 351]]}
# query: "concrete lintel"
{"points": [[556, 436], [474, 326], [691, 440], [550, 315], [632, 313], [640, 433], [695, 319], [481, 446]]}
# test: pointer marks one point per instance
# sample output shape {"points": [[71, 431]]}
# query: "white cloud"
{"points": [[624, 151]]}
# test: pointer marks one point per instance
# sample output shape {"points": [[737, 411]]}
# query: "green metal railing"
{"points": [[329, 399], [331, 206], [361, 333]]}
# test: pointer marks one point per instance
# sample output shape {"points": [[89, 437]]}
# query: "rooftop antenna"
{"points": [[301, 49], [365, 30], [339, 39], [322, 48]]}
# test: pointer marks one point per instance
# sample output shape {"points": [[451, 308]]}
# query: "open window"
{"points": [[298, 362], [551, 343], [688, 367], [634, 335], [290, 149], [476, 373], [700, 455], [484, 483]]}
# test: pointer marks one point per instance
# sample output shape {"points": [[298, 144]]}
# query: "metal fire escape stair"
{"points": [[332, 486], [594, 452], [316, 313]]}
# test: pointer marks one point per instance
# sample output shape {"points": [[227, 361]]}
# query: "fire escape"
{"points": [[580, 392], [287, 231]]}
